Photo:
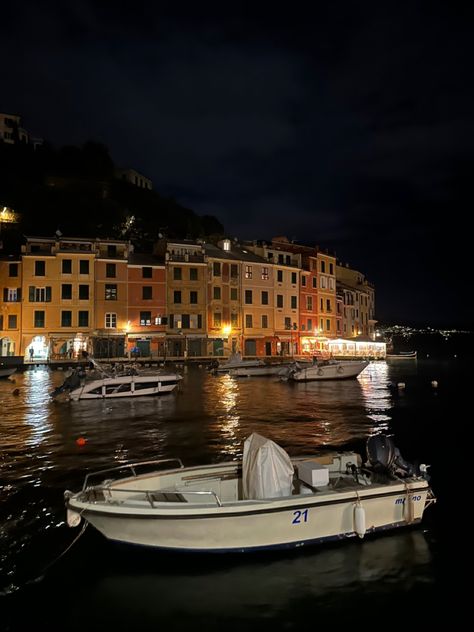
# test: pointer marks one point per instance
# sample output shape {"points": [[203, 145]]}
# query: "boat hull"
{"points": [[126, 386], [254, 525], [4, 373], [331, 371]]}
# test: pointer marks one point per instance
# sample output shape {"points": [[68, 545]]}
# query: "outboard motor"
{"points": [[384, 456]]}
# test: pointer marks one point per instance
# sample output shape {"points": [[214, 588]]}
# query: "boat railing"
{"points": [[149, 494], [131, 466]]}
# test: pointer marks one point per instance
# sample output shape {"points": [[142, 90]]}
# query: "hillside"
{"points": [[74, 190]]}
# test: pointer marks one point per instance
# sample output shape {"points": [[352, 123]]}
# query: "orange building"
{"points": [[146, 325]]}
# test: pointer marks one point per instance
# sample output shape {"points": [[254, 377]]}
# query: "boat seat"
{"points": [[168, 496]]}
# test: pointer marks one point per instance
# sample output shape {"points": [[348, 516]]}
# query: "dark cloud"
{"points": [[344, 124]]}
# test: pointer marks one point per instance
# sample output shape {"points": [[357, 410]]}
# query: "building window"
{"points": [[111, 251], [66, 291], [110, 320], [303, 281], [280, 276], [331, 284], [234, 320], [310, 324], [10, 294], [234, 271], [39, 294], [67, 266], [110, 270], [294, 278], [216, 268], [12, 321], [13, 270], [145, 319], [323, 267], [84, 292], [280, 300], [217, 319], [147, 292], [193, 297], [177, 274], [233, 294], [39, 318], [193, 274], [147, 272], [323, 282], [83, 319], [294, 302], [287, 322], [328, 305], [265, 274], [40, 268], [248, 321], [177, 296], [328, 325], [315, 283], [186, 322], [331, 268], [110, 292], [248, 297], [264, 321], [248, 272], [84, 266], [309, 303], [264, 298], [217, 293], [66, 319]]}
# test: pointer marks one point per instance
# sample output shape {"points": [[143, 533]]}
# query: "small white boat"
{"points": [[260, 371], [327, 370], [267, 501], [235, 361], [402, 355], [6, 372], [105, 385]]}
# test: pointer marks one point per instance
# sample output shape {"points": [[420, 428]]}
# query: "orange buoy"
{"points": [[81, 441]]}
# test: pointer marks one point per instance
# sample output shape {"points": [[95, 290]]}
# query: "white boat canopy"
{"points": [[267, 471]]}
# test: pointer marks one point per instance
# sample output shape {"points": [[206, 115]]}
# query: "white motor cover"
{"points": [[267, 471]]}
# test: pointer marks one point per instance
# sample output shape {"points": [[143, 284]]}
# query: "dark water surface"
{"points": [[96, 585]]}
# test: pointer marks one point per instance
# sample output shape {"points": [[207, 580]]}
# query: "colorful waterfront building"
{"points": [[147, 315], [10, 306], [358, 303]]}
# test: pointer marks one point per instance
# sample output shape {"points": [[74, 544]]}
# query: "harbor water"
{"points": [[404, 575]]}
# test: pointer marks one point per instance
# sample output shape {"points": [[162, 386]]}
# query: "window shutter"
{"points": [[5, 294], [48, 294], [31, 293], [18, 294]]}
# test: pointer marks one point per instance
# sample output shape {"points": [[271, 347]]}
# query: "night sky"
{"points": [[347, 124]]}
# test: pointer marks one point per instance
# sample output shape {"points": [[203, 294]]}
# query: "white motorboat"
{"points": [[263, 370], [402, 355], [327, 370], [6, 371], [126, 382], [267, 501], [235, 361]]}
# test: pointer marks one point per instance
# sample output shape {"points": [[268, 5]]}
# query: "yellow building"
{"points": [[286, 270], [358, 303], [186, 285], [111, 298], [10, 306], [58, 297], [327, 304]]}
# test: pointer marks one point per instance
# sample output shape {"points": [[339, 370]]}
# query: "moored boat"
{"points": [[102, 384], [266, 501], [402, 355], [327, 370], [235, 361], [6, 371]]}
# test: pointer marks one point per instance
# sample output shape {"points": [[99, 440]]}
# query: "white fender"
{"points": [[359, 520], [340, 369], [73, 518]]}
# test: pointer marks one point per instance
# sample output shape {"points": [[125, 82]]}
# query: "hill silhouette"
{"points": [[75, 190]]}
